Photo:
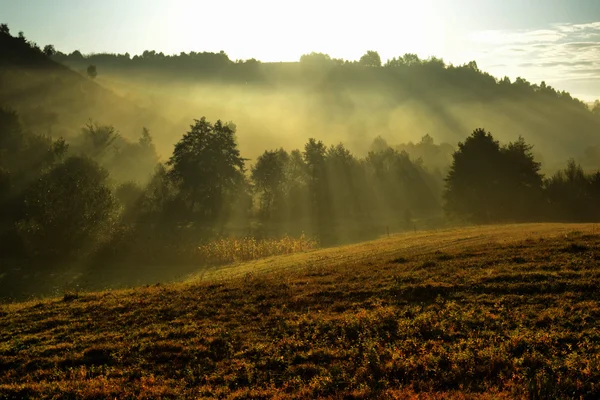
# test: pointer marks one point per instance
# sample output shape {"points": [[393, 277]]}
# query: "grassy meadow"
{"points": [[507, 311]]}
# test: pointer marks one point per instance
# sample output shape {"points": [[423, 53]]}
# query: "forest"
{"points": [[381, 150]]}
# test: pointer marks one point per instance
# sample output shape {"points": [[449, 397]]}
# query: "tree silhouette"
{"points": [[522, 182], [571, 194], [315, 58], [269, 177], [370, 59], [314, 159], [49, 50], [92, 72], [489, 183], [472, 183], [207, 167], [67, 209]]}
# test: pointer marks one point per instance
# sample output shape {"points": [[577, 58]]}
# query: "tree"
{"points": [[92, 71], [370, 59], [522, 181], [4, 29], [341, 168], [146, 139], [379, 144], [49, 50], [315, 58], [97, 139], [269, 177], [570, 194], [596, 107], [490, 183], [67, 210], [314, 158], [207, 167], [472, 65], [25, 155], [411, 59], [472, 182], [129, 195]]}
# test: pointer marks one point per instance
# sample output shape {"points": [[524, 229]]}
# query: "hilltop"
{"points": [[353, 101], [56, 100], [492, 312]]}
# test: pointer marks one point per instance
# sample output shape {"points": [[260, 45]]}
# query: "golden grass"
{"points": [[395, 245], [233, 250], [488, 312]]}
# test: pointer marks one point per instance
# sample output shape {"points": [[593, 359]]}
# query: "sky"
{"points": [[556, 41]]}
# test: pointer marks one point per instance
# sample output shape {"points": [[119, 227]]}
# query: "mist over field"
{"points": [[287, 104], [332, 200], [166, 158]]}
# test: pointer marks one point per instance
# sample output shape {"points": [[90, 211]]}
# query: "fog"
{"points": [[271, 116], [117, 171]]}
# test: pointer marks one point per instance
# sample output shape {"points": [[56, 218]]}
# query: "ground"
{"points": [[506, 311]]}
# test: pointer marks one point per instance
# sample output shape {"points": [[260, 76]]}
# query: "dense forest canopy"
{"points": [[116, 160]]}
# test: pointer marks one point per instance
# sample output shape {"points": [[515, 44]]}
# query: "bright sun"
{"points": [[282, 31]]}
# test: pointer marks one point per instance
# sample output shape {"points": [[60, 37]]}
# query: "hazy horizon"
{"points": [[539, 40]]}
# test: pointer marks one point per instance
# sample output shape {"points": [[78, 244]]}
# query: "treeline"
{"points": [[362, 95], [53, 99], [355, 98], [107, 197], [59, 199], [489, 183], [322, 69], [102, 195], [105, 207]]}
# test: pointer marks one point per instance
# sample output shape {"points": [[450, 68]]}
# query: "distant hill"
{"points": [[356, 101], [53, 99]]}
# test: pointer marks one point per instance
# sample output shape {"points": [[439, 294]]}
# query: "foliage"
{"points": [[49, 50], [370, 59], [73, 199], [124, 159], [490, 183], [573, 195], [269, 178], [92, 71], [207, 168]]}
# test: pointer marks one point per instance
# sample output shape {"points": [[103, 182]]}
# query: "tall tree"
{"points": [[207, 167], [269, 177], [489, 183], [522, 181], [314, 158], [370, 59], [570, 194], [67, 210]]}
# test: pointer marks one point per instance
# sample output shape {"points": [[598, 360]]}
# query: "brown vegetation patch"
{"points": [[481, 326]]}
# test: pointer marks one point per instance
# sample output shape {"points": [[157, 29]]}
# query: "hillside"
{"points": [[53, 99], [484, 312], [285, 103]]}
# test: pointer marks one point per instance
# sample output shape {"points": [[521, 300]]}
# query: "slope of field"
{"points": [[491, 312]]}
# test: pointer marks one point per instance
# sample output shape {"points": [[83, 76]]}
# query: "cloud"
{"points": [[559, 54]]}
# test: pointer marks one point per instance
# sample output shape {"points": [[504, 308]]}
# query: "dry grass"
{"points": [[492, 312], [234, 250]]}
